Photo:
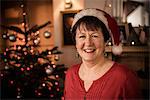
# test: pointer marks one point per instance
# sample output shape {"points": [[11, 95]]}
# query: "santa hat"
{"points": [[109, 22]]}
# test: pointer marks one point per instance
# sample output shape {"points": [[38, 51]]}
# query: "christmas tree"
{"points": [[27, 73]]}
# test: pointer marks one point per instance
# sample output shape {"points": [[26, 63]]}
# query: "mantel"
{"points": [[130, 49]]}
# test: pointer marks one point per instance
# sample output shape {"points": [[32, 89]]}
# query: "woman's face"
{"points": [[89, 44]]}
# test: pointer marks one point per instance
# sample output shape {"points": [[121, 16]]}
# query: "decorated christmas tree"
{"points": [[26, 72]]}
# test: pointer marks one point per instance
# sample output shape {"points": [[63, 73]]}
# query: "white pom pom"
{"points": [[117, 50]]}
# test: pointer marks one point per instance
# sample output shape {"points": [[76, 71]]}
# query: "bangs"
{"points": [[90, 23], [89, 26]]}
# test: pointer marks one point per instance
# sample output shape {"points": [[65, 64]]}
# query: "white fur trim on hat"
{"points": [[90, 12]]}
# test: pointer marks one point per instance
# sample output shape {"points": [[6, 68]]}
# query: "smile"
{"points": [[89, 50]]}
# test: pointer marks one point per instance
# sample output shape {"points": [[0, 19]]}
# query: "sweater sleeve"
{"points": [[67, 79], [131, 89], [69, 83]]}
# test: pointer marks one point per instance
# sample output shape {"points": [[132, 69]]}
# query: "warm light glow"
{"points": [[39, 94], [23, 24], [58, 89], [49, 52], [43, 84], [11, 82], [56, 83], [22, 5], [2, 75], [31, 66], [7, 49], [25, 53], [37, 33], [31, 50], [67, 1], [53, 63], [28, 68], [54, 66], [18, 58], [6, 67], [19, 48], [24, 13], [56, 57], [18, 96], [51, 95], [23, 40], [109, 43], [29, 39], [133, 43], [57, 76], [68, 4], [22, 69], [109, 5]]}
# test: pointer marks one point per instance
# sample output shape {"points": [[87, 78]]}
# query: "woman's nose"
{"points": [[88, 41]]}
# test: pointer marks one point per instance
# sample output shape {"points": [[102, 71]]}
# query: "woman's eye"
{"points": [[95, 36], [82, 36]]}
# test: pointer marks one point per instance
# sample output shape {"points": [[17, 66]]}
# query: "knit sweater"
{"points": [[118, 83]]}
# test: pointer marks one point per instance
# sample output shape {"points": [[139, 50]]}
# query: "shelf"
{"points": [[130, 49]]}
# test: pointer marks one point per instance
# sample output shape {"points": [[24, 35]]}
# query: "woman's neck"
{"points": [[91, 64], [94, 65], [92, 71]]}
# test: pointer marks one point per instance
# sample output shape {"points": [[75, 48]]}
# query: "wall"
{"points": [[142, 18], [39, 13], [100, 4], [69, 55]]}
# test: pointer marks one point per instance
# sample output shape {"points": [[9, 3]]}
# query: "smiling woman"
{"points": [[89, 38], [97, 77]]}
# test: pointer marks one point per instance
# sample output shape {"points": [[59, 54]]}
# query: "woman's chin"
{"points": [[89, 58]]}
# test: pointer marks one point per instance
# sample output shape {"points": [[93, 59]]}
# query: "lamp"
{"points": [[68, 4]]}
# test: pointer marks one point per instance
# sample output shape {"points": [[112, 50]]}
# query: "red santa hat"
{"points": [[109, 22]]}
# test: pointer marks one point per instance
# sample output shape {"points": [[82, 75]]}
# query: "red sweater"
{"points": [[119, 83]]}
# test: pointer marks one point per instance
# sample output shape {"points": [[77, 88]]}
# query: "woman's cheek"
{"points": [[78, 44]]}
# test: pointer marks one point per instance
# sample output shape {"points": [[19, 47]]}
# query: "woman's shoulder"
{"points": [[123, 70], [73, 68], [121, 67]]}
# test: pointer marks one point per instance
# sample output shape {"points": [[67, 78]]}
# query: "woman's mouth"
{"points": [[89, 50]]}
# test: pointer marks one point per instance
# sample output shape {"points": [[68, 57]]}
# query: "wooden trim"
{"points": [[69, 11], [130, 49]]}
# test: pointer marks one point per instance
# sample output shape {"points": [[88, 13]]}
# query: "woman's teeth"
{"points": [[89, 50]]}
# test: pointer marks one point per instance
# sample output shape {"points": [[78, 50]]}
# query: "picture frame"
{"points": [[67, 19], [124, 32]]}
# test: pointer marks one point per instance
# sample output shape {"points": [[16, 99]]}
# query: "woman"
{"points": [[96, 77]]}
